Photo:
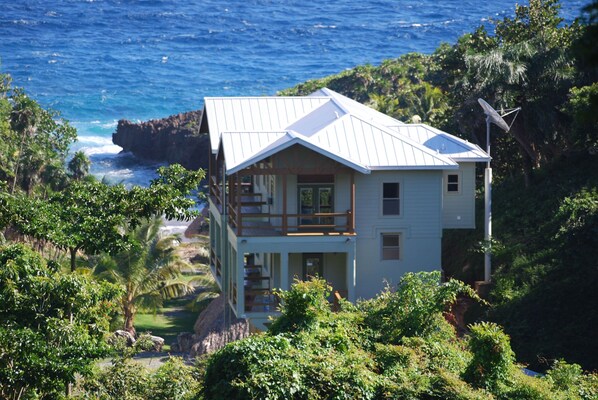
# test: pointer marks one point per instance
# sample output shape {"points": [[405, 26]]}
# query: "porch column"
{"points": [[285, 220], [240, 271], [351, 268], [284, 271], [351, 222]]}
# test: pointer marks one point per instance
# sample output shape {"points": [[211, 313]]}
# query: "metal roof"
{"points": [[442, 142], [254, 114], [253, 128]]}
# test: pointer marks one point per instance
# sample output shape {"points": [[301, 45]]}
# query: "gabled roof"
{"points": [[255, 114], [253, 128]]}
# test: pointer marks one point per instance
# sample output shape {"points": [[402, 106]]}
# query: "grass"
{"points": [[169, 322], [176, 317]]}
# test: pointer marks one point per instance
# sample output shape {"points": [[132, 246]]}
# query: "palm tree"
{"points": [[148, 273], [79, 165]]}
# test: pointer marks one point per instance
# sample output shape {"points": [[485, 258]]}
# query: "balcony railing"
{"points": [[267, 224]]}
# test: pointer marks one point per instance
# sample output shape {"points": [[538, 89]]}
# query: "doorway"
{"points": [[313, 265]]}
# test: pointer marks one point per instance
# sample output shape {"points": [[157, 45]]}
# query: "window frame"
{"points": [[398, 248], [398, 199], [447, 183]]}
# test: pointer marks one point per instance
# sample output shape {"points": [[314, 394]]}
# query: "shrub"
{"points": [[414, 308], [492, 356], [173, 381]]}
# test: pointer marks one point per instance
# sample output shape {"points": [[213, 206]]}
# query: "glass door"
{"points": [[315, 199], [313, 265]]}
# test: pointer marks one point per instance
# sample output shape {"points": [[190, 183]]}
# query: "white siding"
{"points": [[419, 225], [458, 209]]}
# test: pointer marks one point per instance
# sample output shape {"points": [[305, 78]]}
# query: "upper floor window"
{"points": [[452, 183], [391, 204]]}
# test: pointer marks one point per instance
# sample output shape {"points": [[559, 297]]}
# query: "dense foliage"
{"points": [[148, 272], [52, 324], [545, 168], [381, 350]]}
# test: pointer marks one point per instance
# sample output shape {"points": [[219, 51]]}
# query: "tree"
{"points": [[527, 63], [92, 216], [148, 272], [34, 139], [52, 325], [79, 165]]}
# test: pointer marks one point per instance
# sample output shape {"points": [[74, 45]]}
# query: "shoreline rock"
{"points": [[174, 139]]}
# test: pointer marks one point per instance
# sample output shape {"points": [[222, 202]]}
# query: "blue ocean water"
{"points": [[97, 61]]}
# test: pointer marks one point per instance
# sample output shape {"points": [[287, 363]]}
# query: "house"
{"points": [[323, 185]]}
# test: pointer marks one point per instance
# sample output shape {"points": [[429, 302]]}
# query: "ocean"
{"points": [[98, 61]]}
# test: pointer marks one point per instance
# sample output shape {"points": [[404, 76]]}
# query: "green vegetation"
{"points": [[545, 169], [53, 324], [395, 346], [54, 317], [148, 273]]}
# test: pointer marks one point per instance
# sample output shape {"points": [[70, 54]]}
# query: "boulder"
{"points": [[211, 332], [158, 343], [175, 139], [185, 341], [130, 339]]}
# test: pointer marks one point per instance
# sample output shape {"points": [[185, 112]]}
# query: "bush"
{"points": [[492, 356]]}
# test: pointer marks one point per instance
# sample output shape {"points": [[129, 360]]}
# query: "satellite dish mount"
{"points": [[492, 116]]}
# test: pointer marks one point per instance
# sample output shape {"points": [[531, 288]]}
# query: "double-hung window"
{"points": [[452, 183], [391, 245], [391, 202]]}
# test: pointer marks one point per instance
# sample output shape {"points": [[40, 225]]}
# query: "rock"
{"points": [[174, 347], [158, 343], [175, 139], [130, 339], [185, 341], [210, 331]]}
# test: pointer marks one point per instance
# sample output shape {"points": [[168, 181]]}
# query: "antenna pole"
{"points": [[487, 208]]}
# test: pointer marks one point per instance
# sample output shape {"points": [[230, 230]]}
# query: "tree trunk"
{"points": [[73, 252], [129, 318]]}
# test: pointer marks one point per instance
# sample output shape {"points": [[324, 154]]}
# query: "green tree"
{"points": [[36, 140], [79, 165], [148, 272], [52, 325], [92, 216]]}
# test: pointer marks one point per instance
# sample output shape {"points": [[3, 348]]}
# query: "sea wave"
{"points": [[108, 149]]}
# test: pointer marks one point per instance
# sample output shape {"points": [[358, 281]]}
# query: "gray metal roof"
{"points": [[253, 128]]}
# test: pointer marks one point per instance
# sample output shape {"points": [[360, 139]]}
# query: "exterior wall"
{"points": [[458, 208], [419, 225]]}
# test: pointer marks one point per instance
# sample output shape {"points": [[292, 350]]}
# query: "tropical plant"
{"points": [[79, 165], [92, 216], [52, 325], [148, 272]]}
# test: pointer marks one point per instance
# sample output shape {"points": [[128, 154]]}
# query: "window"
{"points": [[390, 198], [452, 183], [391, 246]]}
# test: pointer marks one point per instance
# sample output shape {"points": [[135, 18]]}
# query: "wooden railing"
{"points": [[266, 224], [215, 261], [215, 191]]}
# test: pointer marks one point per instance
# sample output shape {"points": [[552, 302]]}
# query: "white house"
{"points": [[323, 185]]}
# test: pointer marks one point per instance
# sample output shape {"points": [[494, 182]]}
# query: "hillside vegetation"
{"points": [[545, 203]]}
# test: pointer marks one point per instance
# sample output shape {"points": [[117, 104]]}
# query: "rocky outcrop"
{"points": [[175, 139], [210, 331]]}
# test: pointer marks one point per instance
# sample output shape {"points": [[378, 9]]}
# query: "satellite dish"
{"points": [[493, 116]]}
